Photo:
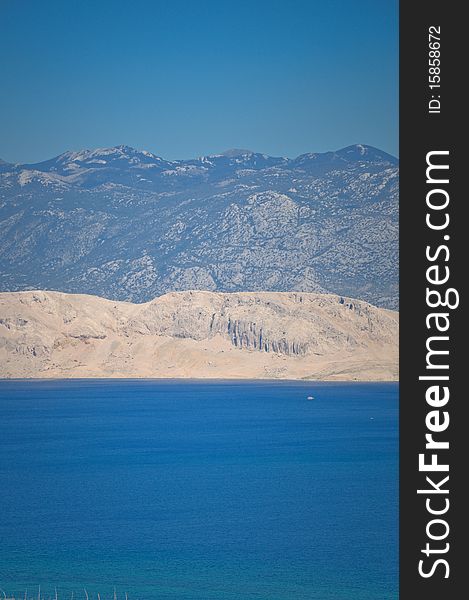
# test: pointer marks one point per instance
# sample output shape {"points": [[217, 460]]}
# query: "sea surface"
{"points": [[192, 490]]}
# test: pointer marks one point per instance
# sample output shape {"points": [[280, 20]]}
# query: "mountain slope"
{"points": [[197, 334], [129, 225]]}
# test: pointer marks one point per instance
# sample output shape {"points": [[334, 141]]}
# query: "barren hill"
{"points": [[197, 334]]}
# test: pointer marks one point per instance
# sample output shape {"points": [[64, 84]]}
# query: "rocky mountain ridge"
{"points": [[129, 225]]}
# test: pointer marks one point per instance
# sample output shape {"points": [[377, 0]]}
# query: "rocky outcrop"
{"points": [[196, 334]]}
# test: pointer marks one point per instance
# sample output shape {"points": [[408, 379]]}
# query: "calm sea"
{"points": [[190, 490]]}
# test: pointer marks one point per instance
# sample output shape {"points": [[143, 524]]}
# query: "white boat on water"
{"points": [[310, 398]]}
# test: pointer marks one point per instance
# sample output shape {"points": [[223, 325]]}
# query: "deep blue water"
{"points": [[200, 491]]}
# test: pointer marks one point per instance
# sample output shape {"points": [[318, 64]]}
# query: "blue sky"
{"points": [[187, 78]]}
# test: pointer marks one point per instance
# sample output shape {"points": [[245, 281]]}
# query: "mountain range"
{"points": [[128, 225]]}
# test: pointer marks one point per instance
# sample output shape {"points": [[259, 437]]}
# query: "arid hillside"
{"points": [[196, 334]]}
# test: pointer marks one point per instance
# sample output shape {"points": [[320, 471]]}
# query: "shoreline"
{"points": [[194, 380]]}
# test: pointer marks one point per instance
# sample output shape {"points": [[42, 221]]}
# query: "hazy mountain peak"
{"points": [[116, 152], [236, 152], [365, 152], [87, 162]]}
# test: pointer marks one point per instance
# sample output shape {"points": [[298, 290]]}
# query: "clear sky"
{"points": [[186, 78]]}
